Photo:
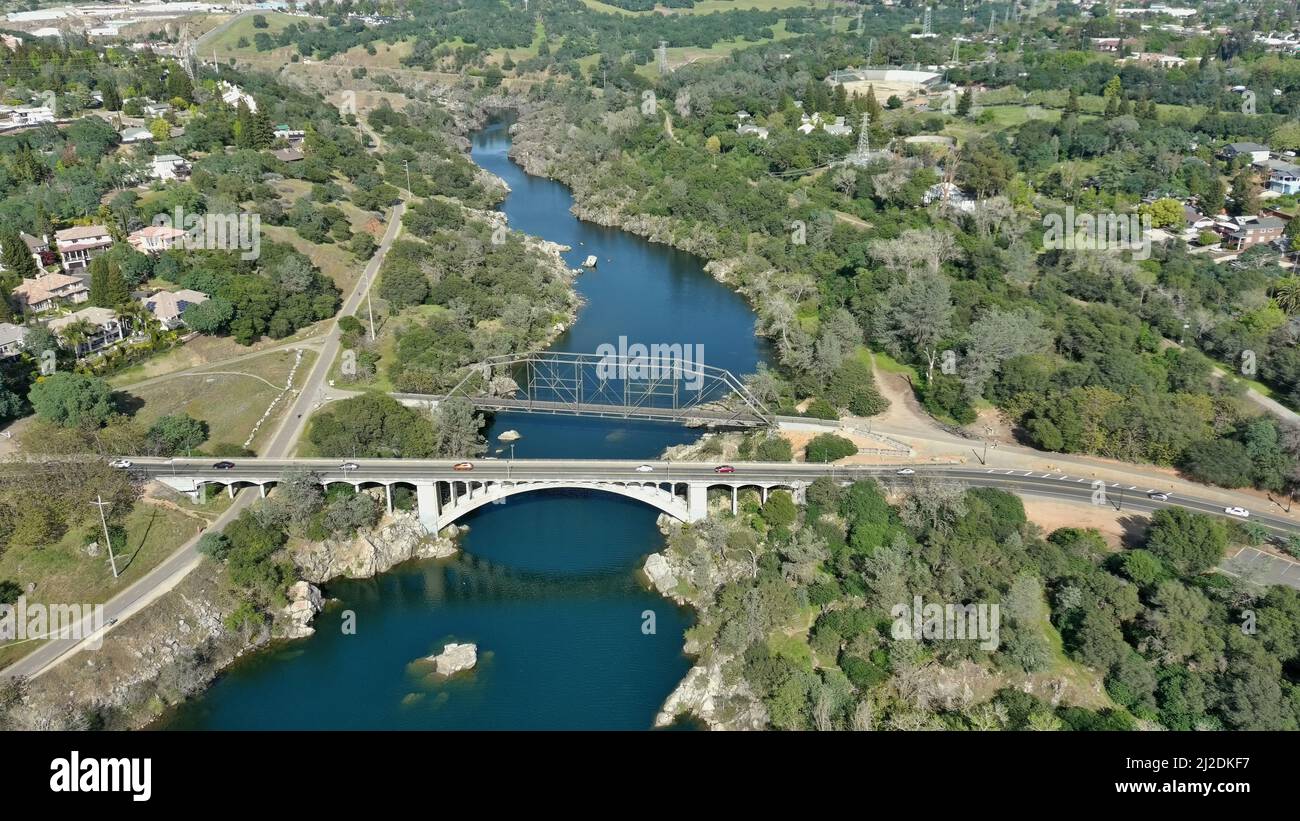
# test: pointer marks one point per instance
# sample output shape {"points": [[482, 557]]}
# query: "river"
{"points": [[546, 584]]}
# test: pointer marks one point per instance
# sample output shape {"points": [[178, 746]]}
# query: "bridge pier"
{"points": [[734, 494], [388, 498], [697, 502], [427, 504]]}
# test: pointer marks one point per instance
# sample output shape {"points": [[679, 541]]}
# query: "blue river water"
{"points": [[546, 584]]}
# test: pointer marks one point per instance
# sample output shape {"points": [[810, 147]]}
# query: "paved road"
{"points": [[292, 425], [1118, 493], [174, 568]]}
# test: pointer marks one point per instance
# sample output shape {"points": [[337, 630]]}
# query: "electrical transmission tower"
{"points": [[661, 57], [871, 50], [185, 51], [859, 28], [925, 26]]}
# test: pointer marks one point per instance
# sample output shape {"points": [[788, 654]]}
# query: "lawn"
{"points": [[227, 42], [64, 574], [230, 398]]}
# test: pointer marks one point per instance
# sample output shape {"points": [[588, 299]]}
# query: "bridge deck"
{"points": [[738, 418]]}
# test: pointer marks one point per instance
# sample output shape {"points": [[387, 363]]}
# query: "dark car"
{"points": [[224, 466]]}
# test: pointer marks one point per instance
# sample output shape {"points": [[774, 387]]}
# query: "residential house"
{"points": [[751, 130], [232, 95], [948, 194], [39, 249], [25, 115], [287, 154], [837, 128], [155, 110], [1255, 151], [169, 306], [1252, 231], [1152, 58], [136, 135], [293, 136], [78, 246], [154, 239], [167, 167], [109, 329], [50, 291], [1283, 176], [11, 339]]}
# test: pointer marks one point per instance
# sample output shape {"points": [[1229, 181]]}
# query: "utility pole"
{"points": [[108, 543], [408, 178], [370, 308]]}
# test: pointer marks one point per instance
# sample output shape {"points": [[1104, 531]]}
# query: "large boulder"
{"points": [[305, 601], [454, 658]]}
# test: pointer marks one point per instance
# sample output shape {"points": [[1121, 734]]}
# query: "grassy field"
{"points": [[706, 7], [65, 574], [231, 398], [227, 42], [678, 57]]}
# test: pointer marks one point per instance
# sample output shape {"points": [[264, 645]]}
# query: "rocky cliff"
{"points": [[394, 540], [721, 699]]}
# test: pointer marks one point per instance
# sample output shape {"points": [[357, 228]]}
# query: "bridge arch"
{"points": [[436, 514]]}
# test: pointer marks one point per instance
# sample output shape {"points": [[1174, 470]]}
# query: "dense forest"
{"points": [[1098, 353], [798, 610]]}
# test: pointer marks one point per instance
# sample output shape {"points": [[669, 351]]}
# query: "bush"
{"points": [[821, 409], [774, 449], [945, 396], [827, 447]]}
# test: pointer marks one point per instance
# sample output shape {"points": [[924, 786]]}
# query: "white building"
{"points": [[169, 167], [232, 95], [78, 246]]}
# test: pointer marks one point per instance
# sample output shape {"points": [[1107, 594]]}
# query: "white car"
{"points": [[904, 472], [349, 466], [645, 469], [1237, 511], [1157, 496], [120, 463]]}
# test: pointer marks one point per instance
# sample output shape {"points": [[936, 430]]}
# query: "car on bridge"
{"points": [[224, 466], [349, 466], [463, 466], [1237, 511], [724, 469], [645, 469], [120, 463]]}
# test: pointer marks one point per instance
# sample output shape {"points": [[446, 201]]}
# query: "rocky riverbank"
{"points": [[169, 651], [709, 691], [179, 644], [396, 539]]}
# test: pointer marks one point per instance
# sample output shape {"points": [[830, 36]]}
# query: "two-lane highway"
{"points": [[1123, 496]]}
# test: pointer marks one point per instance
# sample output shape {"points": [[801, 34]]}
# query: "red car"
{"points": [[724, 469], [462, 466]]}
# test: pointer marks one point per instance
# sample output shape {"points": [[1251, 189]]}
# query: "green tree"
{"points": [[72, 400], [176, 433], [828, 447], [1187, 541]]}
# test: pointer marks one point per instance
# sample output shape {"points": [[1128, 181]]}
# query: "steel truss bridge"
{"points": [[664, 385]]}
